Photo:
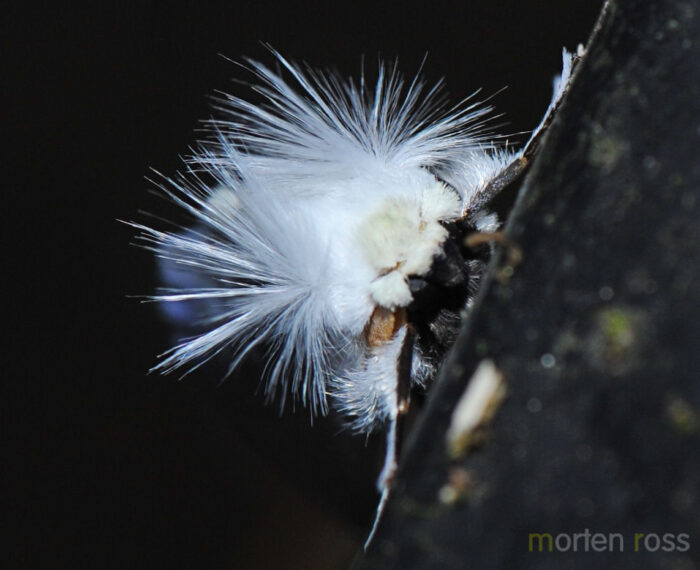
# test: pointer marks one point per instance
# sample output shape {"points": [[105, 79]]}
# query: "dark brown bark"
{"points": [[597, 334]]}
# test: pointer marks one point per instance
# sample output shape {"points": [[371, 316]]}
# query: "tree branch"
{"points": [[596, 334]]}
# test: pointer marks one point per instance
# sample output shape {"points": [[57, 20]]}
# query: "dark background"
{"points": [[104, 466]]}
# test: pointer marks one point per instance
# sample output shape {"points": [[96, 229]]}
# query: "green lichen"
{"points": [[616, 325], [682, 416], [606, 151], [618, 338]]}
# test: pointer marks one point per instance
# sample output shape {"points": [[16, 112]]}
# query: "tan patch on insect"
{"points": [[383, 324]]}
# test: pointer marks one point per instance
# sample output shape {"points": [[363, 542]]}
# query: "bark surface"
{"points": [[596, 333]]}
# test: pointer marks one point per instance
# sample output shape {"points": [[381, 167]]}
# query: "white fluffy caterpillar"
{"points": [[333, 236]]}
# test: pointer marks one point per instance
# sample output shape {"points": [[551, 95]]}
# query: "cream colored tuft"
{"points": [[440, 203], [401, 239], [391, 290], [424, 249], [388, 234]]}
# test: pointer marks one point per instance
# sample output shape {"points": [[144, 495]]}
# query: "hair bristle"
{"points": [[270, 260]]}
